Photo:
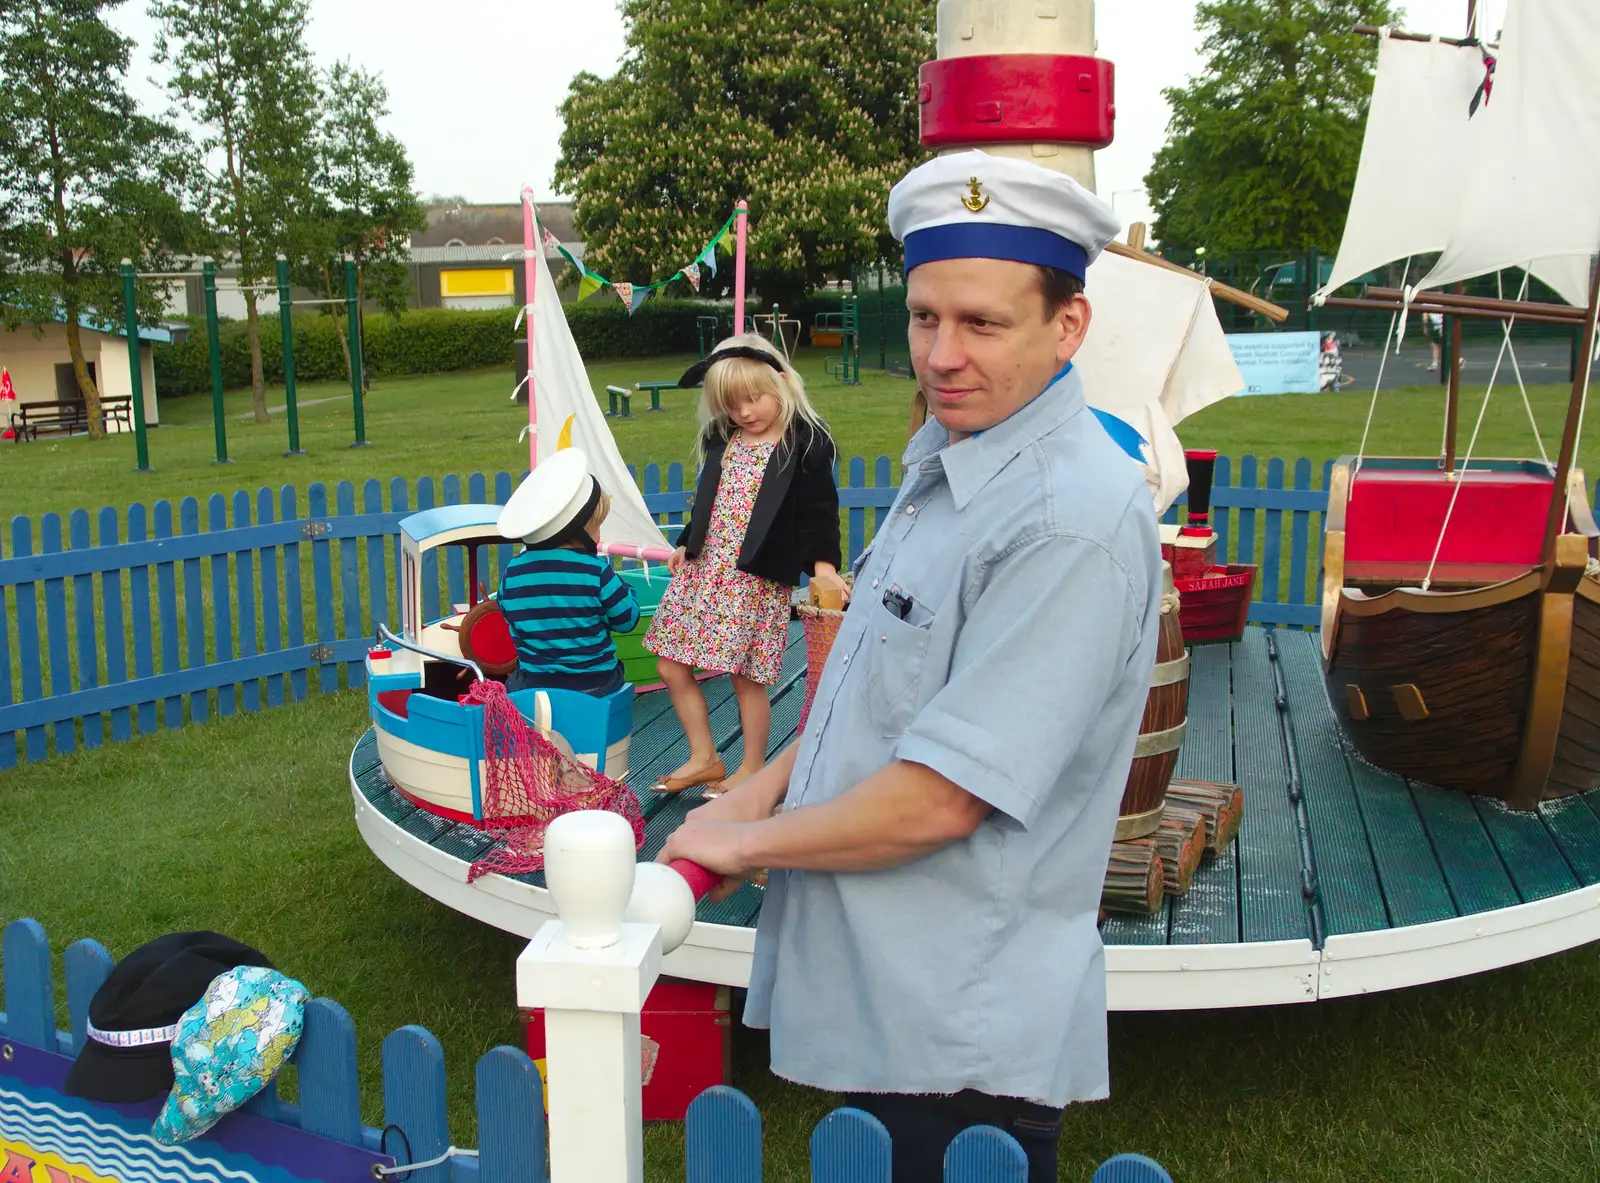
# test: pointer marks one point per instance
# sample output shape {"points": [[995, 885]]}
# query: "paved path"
{"points": [[299, 405]]}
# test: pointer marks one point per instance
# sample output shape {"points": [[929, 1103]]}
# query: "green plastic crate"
{"points": [[638, 663]]}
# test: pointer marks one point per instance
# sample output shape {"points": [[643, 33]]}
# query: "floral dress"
{"points": [[714, 616]]}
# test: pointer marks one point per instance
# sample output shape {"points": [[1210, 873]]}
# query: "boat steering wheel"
{"points": [[485, 637]]}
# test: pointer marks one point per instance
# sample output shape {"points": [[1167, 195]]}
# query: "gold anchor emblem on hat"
{"points": [[975, 200]]}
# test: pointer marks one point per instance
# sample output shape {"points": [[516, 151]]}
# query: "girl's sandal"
{"points": [[711, 773], [717, 788]]}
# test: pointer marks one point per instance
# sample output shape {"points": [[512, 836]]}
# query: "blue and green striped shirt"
{"points": [[563, 606]]}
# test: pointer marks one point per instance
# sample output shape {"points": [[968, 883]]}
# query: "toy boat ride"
{"points": [[1460, 617], [431, 743]]}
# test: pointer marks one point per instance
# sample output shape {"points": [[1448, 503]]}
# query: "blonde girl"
{"points": [[765, 513]]}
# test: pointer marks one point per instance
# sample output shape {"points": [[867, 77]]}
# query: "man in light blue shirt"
{"points": [[928, 945]]}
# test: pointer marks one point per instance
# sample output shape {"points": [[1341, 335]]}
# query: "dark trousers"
{"points": [[600, 685], [922, 1128]]}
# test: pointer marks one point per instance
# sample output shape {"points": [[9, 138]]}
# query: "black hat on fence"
{"points": [[133, 1017]]}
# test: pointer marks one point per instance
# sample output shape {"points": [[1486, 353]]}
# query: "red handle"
{"points": [[700, 880]]}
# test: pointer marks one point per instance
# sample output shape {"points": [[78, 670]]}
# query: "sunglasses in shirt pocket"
{"points": [[896, 650]]}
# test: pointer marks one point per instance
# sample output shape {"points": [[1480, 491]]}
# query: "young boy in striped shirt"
{"points": [[561, 599]]}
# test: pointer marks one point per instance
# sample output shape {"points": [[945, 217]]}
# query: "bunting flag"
{"points": [[633, 295]]}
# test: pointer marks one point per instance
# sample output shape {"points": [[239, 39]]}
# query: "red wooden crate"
{"points": [[1192, 555], [1215, 606], [689, 1026]]}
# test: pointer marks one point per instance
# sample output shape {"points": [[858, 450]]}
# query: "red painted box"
{"points": [[687, 1045], [1192, 554], [1216, 606]]}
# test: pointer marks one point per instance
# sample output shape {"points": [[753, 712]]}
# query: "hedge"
{"points": [[436, 340]]}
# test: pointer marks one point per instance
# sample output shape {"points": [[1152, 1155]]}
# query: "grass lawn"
{"points": [[244, 825]]}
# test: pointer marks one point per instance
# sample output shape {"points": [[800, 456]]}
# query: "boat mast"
{"points": [[1569, 435], [1452, 399]]}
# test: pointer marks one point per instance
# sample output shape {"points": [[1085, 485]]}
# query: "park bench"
{"points": [[655, 389], [66, 416], [624, 394]]}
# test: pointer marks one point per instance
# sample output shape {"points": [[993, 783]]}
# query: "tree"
{"points": [[806, 107], [365, 206], [1262, 149], [241, 70], [86, 179]]}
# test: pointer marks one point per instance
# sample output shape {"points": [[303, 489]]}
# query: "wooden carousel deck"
{"points": [[1344, 879]]}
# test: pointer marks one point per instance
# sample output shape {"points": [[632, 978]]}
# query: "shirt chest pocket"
{"points": [[896, 652]]}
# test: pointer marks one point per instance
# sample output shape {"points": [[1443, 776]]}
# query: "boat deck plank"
{"points": [[1346, 873], [1387, 852], [1576, 829], [1209, 913], [1413, 883], [1537, 868], [1478, 881], [1271, 906]]}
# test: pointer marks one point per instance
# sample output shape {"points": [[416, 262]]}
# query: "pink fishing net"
{"points": [[529, 782]]}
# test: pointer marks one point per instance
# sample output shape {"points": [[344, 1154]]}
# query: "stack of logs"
{"points": [[1198, 821]]}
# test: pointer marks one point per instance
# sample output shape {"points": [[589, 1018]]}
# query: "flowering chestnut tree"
{"points": [[807, 108]]}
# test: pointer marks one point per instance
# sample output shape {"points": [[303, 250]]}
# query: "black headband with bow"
{"points": [[696, 373]]}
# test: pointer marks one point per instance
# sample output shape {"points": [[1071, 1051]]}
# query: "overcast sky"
{"points": [[474, 85]]}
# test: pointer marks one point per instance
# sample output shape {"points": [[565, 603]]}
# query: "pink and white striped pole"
{"points": [[530, 261], [740, 211]]}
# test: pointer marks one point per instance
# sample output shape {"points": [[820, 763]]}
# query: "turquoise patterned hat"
{"points": [[229, 1045]]}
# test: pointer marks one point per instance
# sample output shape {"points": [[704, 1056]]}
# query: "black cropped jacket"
{"points": [[795, 522]]}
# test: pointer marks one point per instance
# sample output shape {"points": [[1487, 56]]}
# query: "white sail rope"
{"points": [[1466, 461], [1516, 368], [1588, 372], [1378, 384]]}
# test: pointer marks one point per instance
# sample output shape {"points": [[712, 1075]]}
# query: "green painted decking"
{"points": [[1329, 845]]}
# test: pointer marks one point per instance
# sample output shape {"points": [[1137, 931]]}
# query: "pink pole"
{"points": [[530, 263], [740, 211], [628, 550]]}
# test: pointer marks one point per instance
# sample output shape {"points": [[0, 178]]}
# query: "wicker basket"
{"points": [[821, 626]]}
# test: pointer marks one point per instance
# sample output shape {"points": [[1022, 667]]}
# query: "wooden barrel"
{"points": [[1161, 732]]}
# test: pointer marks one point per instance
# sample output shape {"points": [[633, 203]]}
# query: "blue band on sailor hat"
{"points": [[993, 240]]}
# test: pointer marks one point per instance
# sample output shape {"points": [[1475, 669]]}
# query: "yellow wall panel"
{"points": [[480, 281]]}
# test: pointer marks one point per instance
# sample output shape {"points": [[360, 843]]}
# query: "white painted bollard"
{"points": [[591, 971]]}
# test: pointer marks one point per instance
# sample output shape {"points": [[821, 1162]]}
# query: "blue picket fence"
{"points": [[722, 1132], [123, 622]]}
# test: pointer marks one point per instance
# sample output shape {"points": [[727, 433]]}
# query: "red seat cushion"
{"points": [[395, 701], [491, 638], [1393, 518]]}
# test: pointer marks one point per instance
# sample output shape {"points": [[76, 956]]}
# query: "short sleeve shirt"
{"points": [[1002, 632]]}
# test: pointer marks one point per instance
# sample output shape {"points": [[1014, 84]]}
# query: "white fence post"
{"points": [[591, 971]]}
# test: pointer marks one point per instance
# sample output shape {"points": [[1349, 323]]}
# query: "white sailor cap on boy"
{"points": [[553, 495], [973, 205]]}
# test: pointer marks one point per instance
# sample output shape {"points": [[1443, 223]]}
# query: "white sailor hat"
{"points": [[973, 205], [553, 495]]}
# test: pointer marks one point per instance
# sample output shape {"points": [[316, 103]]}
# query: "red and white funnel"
{"points": [[1019, 78]]}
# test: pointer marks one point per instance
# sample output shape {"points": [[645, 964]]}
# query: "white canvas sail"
{"points": [[1414, 156], [561, 389], [1532, 188], [1155, 354]]}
